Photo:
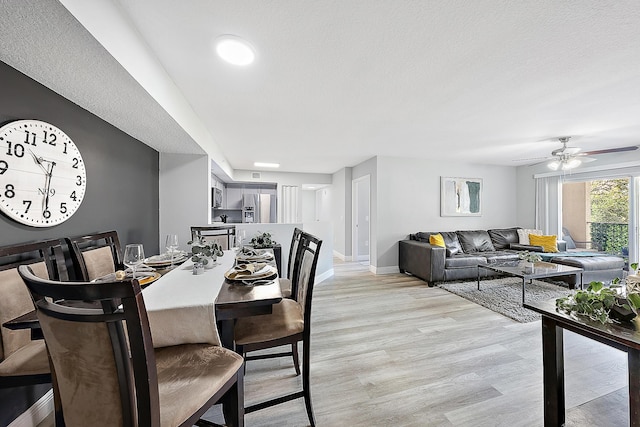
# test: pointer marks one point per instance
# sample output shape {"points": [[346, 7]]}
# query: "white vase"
{"points": [[210, 263]]}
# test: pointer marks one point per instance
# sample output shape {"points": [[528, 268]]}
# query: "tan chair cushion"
{"points": [[15, 300], [99, 262], [30, 359], [285, 288], [188, 375], [286, 320]]}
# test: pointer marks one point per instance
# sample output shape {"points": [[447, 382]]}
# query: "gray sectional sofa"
{"points": [[466, 249]]}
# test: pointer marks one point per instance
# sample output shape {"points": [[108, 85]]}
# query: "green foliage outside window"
{"points": [[610, 214]]}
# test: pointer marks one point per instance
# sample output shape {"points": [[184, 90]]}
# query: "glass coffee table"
{"points": [[541, 270]]}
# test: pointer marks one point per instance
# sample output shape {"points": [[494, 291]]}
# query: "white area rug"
{"points": [[504, 295]]}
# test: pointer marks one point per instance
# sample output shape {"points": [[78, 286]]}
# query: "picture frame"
{"points": [[460, 196]]}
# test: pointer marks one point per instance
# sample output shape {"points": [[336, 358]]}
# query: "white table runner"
{"points": [[180, 305]]}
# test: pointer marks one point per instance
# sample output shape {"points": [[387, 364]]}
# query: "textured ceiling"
{"points": [[337, 82]]}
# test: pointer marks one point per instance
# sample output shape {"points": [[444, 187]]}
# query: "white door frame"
{"points": [[355, 194]]}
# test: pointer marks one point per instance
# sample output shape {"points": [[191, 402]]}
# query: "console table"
{"points": [[623, 337]]}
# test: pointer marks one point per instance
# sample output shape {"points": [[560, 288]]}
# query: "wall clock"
{"points": [[42, 175]]}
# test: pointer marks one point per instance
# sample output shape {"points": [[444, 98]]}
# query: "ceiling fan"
{"points": [[566, 158]]}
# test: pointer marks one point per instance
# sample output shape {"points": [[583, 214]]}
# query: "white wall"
{"points": [[408, 200], [338, 209], [308, 205], [185, 196]]}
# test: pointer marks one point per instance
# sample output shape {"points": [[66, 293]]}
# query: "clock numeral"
{"points": [[15, 149], [73, 196], [4, 166], [63, 207], [28, 203], [79, 181], [46, 214], [65, 148], [9, 191], [50, 138], [75, 162], [29, 138]]}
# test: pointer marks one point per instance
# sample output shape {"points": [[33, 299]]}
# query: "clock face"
{"points": [[42, 175]]}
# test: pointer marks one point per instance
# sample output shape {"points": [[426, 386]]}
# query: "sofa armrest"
{"points": [[422, 259], [530, 248]]}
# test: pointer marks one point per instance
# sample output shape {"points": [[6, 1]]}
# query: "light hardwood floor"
{"points": [[389, 351]]}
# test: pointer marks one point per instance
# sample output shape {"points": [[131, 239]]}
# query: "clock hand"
{"points": [[48, 186], [38, 161]]}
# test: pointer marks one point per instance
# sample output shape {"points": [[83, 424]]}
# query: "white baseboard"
{"points": [[342, 257], [323, 276], [385, 270], [36, 413]]}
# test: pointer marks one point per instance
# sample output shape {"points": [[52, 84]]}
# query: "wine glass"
{"points": [[240, 236], [172, 245], [133, 256]]}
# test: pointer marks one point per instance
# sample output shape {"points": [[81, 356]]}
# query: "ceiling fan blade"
{"points": [[530, 159], [587, 159], [610, 150], [572, 150]]}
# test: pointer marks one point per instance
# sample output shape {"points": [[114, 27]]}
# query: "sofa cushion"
{"points": [[437, 240], [451, 242], [475, 241], [503, 237], [523, 235], [548, 243], [500, 256], [464, 260], [421, 236], [595, 263]]}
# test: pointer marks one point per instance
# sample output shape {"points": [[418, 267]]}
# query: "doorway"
{"points": [[361, 191]]}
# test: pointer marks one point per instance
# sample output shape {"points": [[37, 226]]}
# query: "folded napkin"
{"points": [[250, 252], [140, 268], [243, 271]]}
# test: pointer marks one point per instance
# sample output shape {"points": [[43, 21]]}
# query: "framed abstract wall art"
{"points": [[460, 196]]}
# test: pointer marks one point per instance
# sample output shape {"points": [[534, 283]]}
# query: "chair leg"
{"points": [[296, 357], [306, 383], [233, 402]]}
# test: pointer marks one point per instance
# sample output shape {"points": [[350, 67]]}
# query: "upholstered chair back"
{"points": [[95, 255], [102, 352], [15, 301], [86, 370], [310, 251]]}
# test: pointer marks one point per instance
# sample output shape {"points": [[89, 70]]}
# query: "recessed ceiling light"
{"points": [[235, 50], [266, 165]]}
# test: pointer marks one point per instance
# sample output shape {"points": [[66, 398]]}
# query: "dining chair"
{"points": [[23, 360], [224, 235], [289, 323], [95, 255], [108, 372], [293, 266]]}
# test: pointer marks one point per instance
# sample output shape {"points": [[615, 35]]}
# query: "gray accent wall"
{"points": [[122, 185]]}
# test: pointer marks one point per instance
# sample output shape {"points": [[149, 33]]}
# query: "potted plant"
{"points": [[263, 240], [529, 258], [205, 252], [601, 304]]}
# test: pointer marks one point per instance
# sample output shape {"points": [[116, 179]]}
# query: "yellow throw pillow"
{"points": [[436, 240], [548, 243]]}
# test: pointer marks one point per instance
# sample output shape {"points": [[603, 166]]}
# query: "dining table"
{"points": [[184, 307]]}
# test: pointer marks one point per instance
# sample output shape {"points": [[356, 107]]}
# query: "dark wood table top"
{"points": [[626, 334]]}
